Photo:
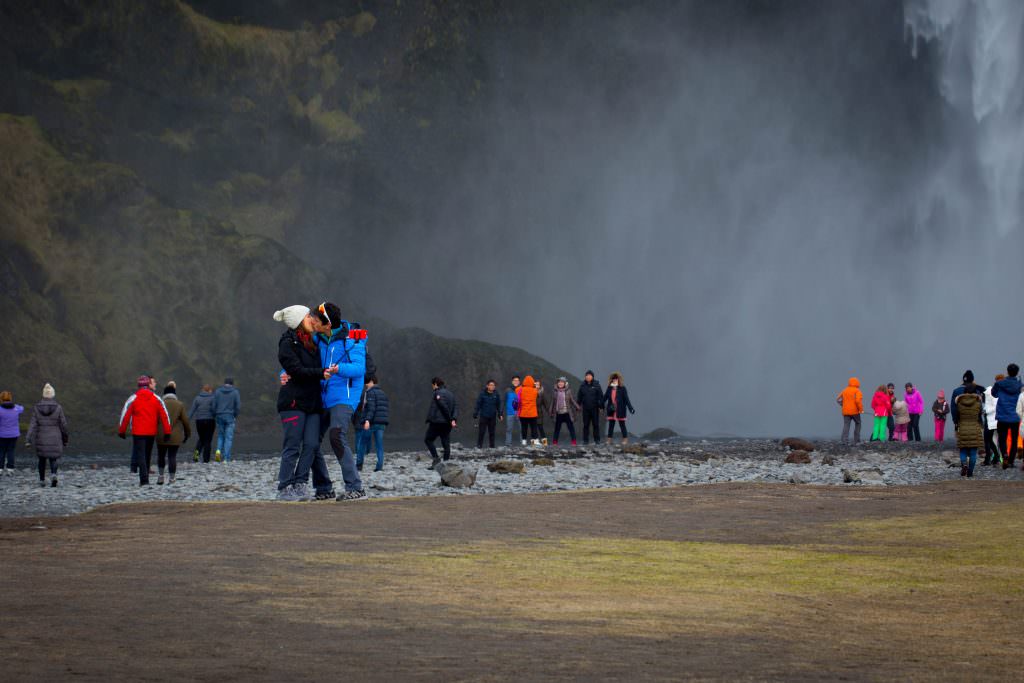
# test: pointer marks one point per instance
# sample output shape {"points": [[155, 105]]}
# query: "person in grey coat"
{"points": [[48, 434], [202, 416]]}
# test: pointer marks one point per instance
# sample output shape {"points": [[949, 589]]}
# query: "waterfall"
{"points": [[980, 48]]}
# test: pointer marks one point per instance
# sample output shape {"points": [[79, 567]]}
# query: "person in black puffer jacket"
{"points": [[488, 411], [299, 401], [591, 400], [376, 415]]}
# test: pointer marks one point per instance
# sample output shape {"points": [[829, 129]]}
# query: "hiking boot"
{"points": [[351, 495], [216, 456], [434, 463], [42, 483], [963, 470], [195, 456], [988, 461], [170, 478], [324, 495], [160, 480], [53, 483]]}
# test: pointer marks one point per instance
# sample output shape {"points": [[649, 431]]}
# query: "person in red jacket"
{"points": [[142, 412]]}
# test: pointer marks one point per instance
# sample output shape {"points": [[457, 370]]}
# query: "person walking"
{"points": [[968, 435], [881, 407], [512, 411], [563, 409], [227, 403], [940, 408], [993, 453], [967, 385], [488, 412], [10, 431], [168, 443], [442, 418], [1006, 392], [915, 407], [142, 413], [48, 434], [375, 420], [527, 397], [590, 399], [201, 415], [851, 403], [901, 416], [616, 400]]}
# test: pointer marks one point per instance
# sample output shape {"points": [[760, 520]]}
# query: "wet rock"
{"points": [[796, 444], [543, 462], [455, 475], [798, 458], [507, 467]]}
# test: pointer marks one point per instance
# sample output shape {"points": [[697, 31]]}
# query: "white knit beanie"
{"points": [[291, 316], [48, 391]]}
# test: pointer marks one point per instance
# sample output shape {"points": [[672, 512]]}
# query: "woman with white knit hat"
{"points": [[48, 434], [299, 402]]}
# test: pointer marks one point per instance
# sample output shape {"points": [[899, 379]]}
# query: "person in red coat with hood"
{"points": [[142, 412]]}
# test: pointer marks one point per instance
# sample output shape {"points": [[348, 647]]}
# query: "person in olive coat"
{"points": [[969, 435], [48, 434], [167, 445]]}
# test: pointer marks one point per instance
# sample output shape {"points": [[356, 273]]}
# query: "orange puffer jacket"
{"points": [[851, 398], [528, 398]]}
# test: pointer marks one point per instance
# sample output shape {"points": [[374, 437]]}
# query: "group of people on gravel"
{"points": [[983, 417]]}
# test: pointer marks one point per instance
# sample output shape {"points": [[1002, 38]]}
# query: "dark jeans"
{"points": [[436, 430], [42, 467], [891, 424], [529, 427], [7, 445], [204, 431], [991, 452], [622, 428], [855, 419], [914, 428], [167, 455], [487, 424], [1013, 429], [591, 420], [321, 476], [564, 419], [540, 427], [301, 440], [142, 456], [341, 422]]}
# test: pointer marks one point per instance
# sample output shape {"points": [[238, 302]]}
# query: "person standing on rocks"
{"points": [[881, 407], [915, 406], [590, 399], [527, 397], [512, 411], [968, 385], [375, 420], [488, 411], [10, 431], [616, 400], [201, 415], [968, 436], [890, 421], [442, 418], [993, 453], [563, 409], [542, 407], [940, 408], [1007, 391], [851, 402], [227, 403], [48, 434], [142, 413], [168, 443], [901, 415]]}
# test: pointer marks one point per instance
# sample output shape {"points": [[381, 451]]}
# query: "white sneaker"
{"points": [[523, 442]]}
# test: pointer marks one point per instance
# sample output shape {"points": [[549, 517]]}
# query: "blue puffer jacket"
{"points": [[346, 387], [1006, 392]]}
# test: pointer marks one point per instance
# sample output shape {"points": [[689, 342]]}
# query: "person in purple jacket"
{"points": [[915, 406], [10, 430]]}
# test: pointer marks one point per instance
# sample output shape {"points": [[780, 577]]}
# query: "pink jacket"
{"points": [[915, 402], [880, 404]]}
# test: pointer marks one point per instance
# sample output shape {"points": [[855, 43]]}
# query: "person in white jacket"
{"points": [[992, 456]]}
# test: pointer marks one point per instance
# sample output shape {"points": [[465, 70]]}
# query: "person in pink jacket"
{"points": [[880, 406], [915, 406]]}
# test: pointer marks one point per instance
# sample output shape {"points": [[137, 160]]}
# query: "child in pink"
{"points": [[940, 409], [901, 416]]}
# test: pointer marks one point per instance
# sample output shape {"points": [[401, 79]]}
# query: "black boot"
{"points": [[434, 463], [963, 470]]}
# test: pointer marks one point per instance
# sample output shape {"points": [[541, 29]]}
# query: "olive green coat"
{"points": [[181, 430], [970, 434]]}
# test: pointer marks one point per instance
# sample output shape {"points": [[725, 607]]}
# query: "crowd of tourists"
{"points": [[984, 418]]}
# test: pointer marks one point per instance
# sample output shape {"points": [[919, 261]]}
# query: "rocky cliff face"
{"points": [[169, 179]]}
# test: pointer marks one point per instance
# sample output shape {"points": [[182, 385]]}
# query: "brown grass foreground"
{"points": [[717, 582]]}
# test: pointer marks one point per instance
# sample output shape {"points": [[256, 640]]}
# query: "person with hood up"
{"points": [[527, 397], [488, 410], [968, 436], [201, 415], [880, 406], [512, 411], [851, 402], [563, 408], [48, 434], [993, 453], [616, 400], [590, 399], [940, 408], [901, 416], [1006, 392], [915, 407], [168, 443], [442, 418], [227, 403], [10, 430], [142, 415]]}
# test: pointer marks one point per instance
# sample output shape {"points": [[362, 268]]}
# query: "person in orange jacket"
{"points": [[852, 402], [527, 395]]}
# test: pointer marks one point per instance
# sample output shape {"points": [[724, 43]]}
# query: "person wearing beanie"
{"points": [[143, 414], [940, 408], [48, 434], [993, 454], [168, 443], [10, 430], [590, 399], [1006, 392], [968, 385], [227, 403], [512, 411], [968, 436]]}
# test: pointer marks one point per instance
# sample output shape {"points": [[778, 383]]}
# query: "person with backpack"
{"points": [[442, 418], [488, 411], [590, 399], [48, 434], [168, 443], [376, 415], [512, 411], [563, 409], [1006, 393], [143, 414], [616, 400], [227, 403], [851, 403], [10, 431], [201, 415]]}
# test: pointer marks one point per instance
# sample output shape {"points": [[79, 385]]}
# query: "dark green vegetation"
{"points": [[170, 175]]}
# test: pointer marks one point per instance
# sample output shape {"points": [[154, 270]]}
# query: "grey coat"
{"points": [[48, 431], [202, 407]]}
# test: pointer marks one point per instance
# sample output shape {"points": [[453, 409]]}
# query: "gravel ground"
{"points": [[646, 465]]}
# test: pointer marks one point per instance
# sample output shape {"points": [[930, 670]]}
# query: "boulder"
{"points": [[659, 434], [798, 458], [828, 460], [795, 444], [635, 449], [871, 477], [543, 462], [455, 475], [507, 467]]}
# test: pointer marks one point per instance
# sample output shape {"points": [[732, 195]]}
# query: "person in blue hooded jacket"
{"points": [[1006, 392]]}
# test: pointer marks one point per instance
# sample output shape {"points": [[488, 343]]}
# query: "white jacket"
{"points": [[1020, 405], [990, 408]]}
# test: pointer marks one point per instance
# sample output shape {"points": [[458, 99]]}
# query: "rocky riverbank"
{"points": [[648, 465]]}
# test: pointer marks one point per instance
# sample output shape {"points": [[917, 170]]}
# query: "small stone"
{"points": [[796, 479], [507, 467], [383, 485], [828, 460], [795, 444], [543, 462], [798, 458]]}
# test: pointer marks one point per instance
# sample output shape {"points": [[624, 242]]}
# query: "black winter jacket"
{"points": [[590, 396], [303, 366], [618, 409], [488, 405], [447, 399], [378, 407]]}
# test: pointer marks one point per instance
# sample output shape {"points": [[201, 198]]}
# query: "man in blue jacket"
{"points": [[1006, 391], [226, 405], [512, 411]]}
